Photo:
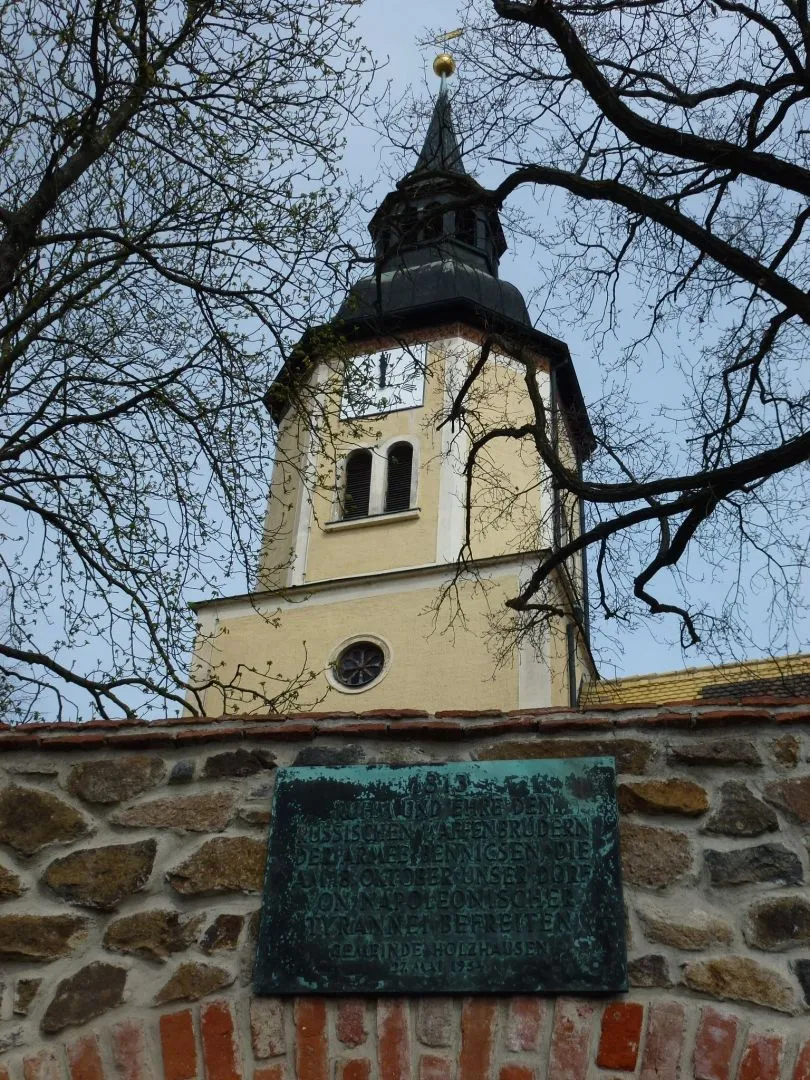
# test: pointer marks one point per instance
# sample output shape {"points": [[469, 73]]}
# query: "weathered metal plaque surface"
{"points": [[473, 877]]}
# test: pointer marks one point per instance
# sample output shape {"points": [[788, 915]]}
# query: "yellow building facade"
{"points": [[373, 498]]}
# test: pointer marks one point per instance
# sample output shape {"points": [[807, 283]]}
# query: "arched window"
{"points": [[465, 225], [384, 241], [407, 228], [434, 225], [398, 479], [357, 488]]}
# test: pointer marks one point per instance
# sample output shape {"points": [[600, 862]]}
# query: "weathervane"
{"points": [[444, 65]]}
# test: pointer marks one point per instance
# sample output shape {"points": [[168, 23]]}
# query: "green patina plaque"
{"points": [[473, 877]]}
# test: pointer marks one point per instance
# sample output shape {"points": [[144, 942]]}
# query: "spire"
{"points": [[437, 241], [441, 152]]}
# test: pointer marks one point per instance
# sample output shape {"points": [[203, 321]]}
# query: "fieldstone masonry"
{"points": [[131, 865]]}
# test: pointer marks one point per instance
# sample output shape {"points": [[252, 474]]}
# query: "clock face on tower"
{"points": [[384, 382]]}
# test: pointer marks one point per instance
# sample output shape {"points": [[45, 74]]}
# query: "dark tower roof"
{"points": [[441, 152], [435, 237]]}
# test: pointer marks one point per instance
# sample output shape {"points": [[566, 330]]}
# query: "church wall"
{"points": [[511, 506], [510, 497], [512, 512], [431, 665], [284, 504], [131, 860]]}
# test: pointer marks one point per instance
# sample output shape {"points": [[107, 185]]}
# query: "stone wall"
{"points": [[131, 861]]}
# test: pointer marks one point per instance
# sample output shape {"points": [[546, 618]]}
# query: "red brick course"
{"points": [[500, 1039], [663, 1048], [393, 1039], [432, 1067], [524, 1023], [267, 1027], [714, 1045], [41, 1066], [129, 1051], [351, 1023], [801, 1070], [178, 1046], [220, 1049], [271, 1072], [135, 734], [620, 1036], [84, 1058], [435, 1021], [477, 1038], [353, 1069], [517, 1072], [762, 1058], [311, 1056], [570, 1038]]}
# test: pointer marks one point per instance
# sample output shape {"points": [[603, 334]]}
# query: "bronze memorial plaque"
{"points": [[471, 877]]}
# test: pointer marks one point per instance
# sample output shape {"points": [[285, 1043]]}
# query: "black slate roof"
{"points": [[441, 152]]}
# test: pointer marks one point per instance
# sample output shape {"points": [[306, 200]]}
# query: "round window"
{"points": [[359, 664]]}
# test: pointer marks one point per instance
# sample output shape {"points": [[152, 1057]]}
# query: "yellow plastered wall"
{"points": [[283, 505], [374, 545], [431, 667], [511, 505], [558, 663], [363, 547], [508, 503]]}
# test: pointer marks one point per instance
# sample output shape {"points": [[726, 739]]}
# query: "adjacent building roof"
{"points": [[781, 677]]}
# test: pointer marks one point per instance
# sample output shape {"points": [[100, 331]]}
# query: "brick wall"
{"points": [[131, 861], [429, 1039]]}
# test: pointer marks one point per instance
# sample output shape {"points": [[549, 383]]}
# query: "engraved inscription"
{"points": [[427, 877]]}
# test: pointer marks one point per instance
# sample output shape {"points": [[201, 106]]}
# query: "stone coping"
{"points": [[398, 723]]}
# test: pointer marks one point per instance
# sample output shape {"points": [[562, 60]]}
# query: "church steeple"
{"points": [[437, 241], [372, 501]]}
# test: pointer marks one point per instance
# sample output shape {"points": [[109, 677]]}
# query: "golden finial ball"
{"points": [[444, 64]]}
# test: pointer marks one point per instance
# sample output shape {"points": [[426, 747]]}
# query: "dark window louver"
{"points": [[465, 226], [358, 484], [434, 225], [408, 223], [398, 483]]}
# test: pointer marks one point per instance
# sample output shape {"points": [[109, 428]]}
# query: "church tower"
{"points": [[372, 499]]}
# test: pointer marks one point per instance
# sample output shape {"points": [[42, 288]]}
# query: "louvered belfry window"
{"points": [[358, 484], [398, 484], [434, 225], [466, 225]]}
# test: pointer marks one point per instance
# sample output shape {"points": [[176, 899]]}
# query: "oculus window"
{"points": [[383, 381], [359, 665]]}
